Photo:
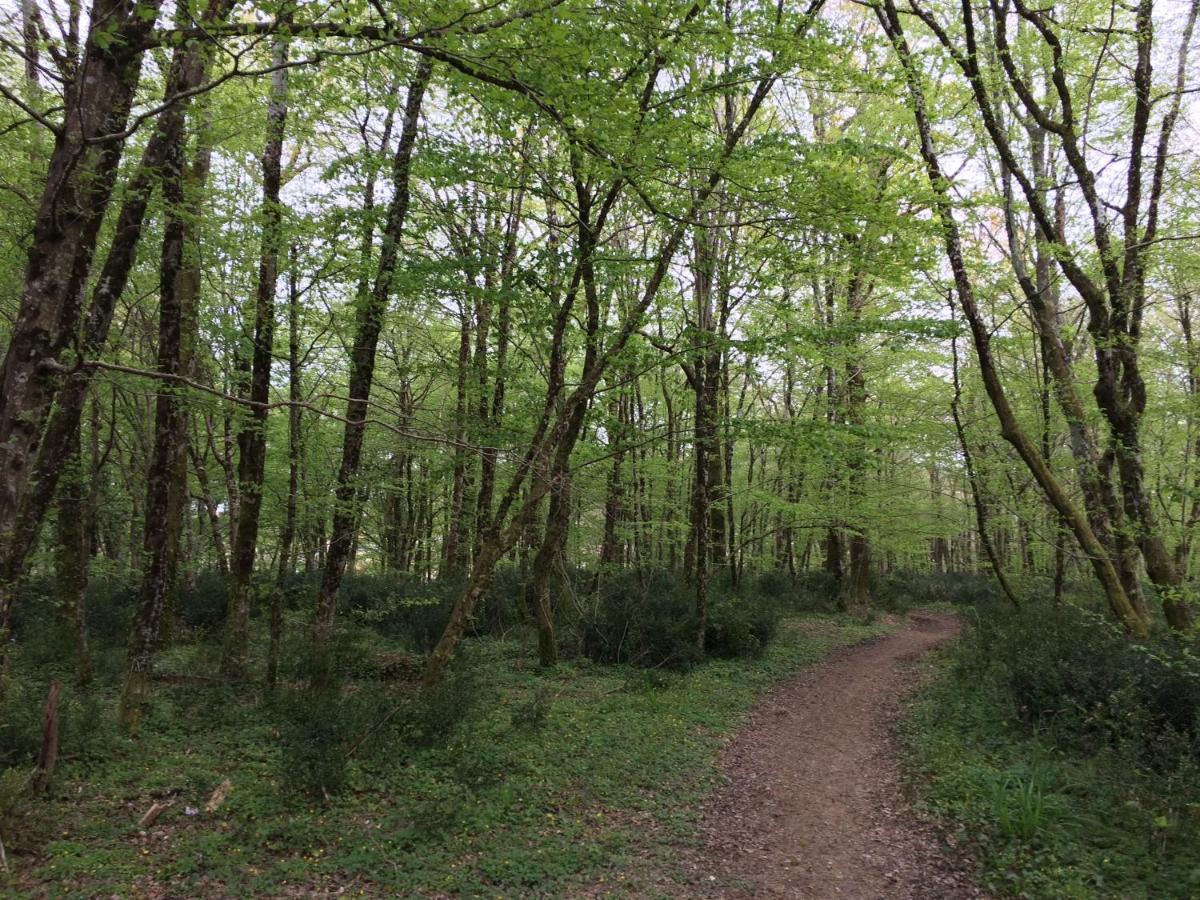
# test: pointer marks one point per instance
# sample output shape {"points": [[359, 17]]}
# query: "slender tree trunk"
{"points": [[1011, 430], [368, 322], [454, 554], [168, 433], [981, 510], [252, 438], [210, 508], [856, 589], [548, 561], [295, 451], [72, 553]]}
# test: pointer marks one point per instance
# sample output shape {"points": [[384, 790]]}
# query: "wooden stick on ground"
{"points": [[49, 753]]}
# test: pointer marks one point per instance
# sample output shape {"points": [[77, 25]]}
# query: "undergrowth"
{"points": [[513, 781], [1064, 758]]}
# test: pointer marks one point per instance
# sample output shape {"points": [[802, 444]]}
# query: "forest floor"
{"points": [[814, 804], [585, 780]]}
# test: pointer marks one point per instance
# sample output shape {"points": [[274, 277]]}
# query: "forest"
{"points": [[558, 448]]}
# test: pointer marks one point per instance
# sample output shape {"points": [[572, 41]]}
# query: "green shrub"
{"points": [[202, 605], [21, 723], [903, 590], [1064, 756], [312, 736], [429, 719], [1073, 672], [640, 618], [740, 626], [86, 731], [649, 619], [16, 797], [815, 589]]}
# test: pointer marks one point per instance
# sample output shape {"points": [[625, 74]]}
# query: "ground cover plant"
{"points": [[1063, 757], [509, 779], [359, 359]]}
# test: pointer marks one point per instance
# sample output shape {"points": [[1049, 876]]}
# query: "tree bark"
{"points": [[23, 504], [368, 322], [252, 438], [169, 425], [295, 451], [1011, 430]]}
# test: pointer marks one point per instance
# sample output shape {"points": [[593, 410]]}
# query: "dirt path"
{"points": [[814, 807]]}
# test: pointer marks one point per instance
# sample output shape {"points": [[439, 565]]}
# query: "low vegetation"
{"points": [[504, 777], [1065, 758]]}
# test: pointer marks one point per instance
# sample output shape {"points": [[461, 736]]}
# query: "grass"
{"points": [[551, 782], [1041, 819]]}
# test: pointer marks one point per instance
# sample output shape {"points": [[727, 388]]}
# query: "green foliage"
{"points": [[15, 800], [312, 735], [1046, 749], [431, 718], [507, 780], [85, 730], [1074, 674], [905, 590], [649, 619]]}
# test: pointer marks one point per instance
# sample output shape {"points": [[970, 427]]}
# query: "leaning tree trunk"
{"points": [[368, 322], [1011, 429], [981, 509]]}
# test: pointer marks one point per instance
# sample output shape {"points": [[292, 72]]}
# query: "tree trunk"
{"points": [[252, 438], [368, 322], [82, 171], [23, 505], [168, 433], [981, 510], [295, 450], [71, 556], [1011, 430]]}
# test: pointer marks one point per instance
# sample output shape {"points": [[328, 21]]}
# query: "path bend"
{"points": [[814, 806]]}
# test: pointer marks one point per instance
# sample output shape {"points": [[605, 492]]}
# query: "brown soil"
{"points": [[814, 807]]}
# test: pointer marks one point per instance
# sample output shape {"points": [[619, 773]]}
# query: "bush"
{"points": [[806, 591], [202, 605], [1073, 672], [902, 590], [415, 612], [15, 800], [312, 735], [740, 627], [649, 619], [86, 731], [429, 719], [640, 618], [21, 723]]}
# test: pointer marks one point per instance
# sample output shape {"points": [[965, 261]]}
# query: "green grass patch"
{"points": [[1043, 818], [550, 781]]}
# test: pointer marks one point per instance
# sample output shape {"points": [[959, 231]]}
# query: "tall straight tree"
{"points": [[98, 93], [177, 297], [33, 489], [252, 438]]}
